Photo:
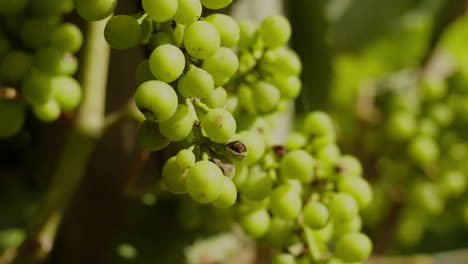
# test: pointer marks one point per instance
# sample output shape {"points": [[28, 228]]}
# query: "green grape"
{"points": [[267, 96], [315, 215], [222, 65], [93, 10], [52, 61], [255, 146], [50, 7], [14, 66], [297, 164], [342, 228], [423, 150], [343, 207], [122, 32], [282, 61], [280, 233], [258, 185], [306, 260], [358, 188], [158, 39], [47, 112], [246, 62], [227, 27], [216, 4], [127, 251], [283, 258], [318, 124], [428, 196], [441, 114], [9, 7], [401, 125], [66, 37], [217, 98], [241, 175], [325, 234], [289, 86], [149, 137], [295, 141], [205, 182], [353, 247], [275, 31], [188, 12], [160, 10], [143, 72], [167, 63], [177, 33], [410, 230], [179, 126], [37, 87], [434, 88], [453, 183], [350, 166], [202, 40], [228, 196], [36, 32], [174, 177], [146, 30], [285, 202], [256, 223], [12, 116], [156, 100], [247, 32], [185, 159], [195, 83], [428, 127], [219, 125], [67, 92], [246, 99]]}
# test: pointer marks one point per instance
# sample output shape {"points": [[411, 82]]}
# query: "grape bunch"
{"points": [[37, 62], [422, 169]]}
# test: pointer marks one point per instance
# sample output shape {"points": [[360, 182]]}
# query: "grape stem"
{"points": [[77, 151], [312, 245]]}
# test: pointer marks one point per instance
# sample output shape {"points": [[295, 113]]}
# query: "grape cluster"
{"points": [[422, 168], [36, 62]]}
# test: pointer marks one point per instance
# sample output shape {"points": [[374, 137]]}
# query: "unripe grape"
{"points": [[174, 177], [267, 96], [410, 230], [315, 215], [188, 11], [297, 164], [241, 175], [51, 61], [217, 98], [353, 247], [280, 233], [285, 202], [35, 32], [427, 127], [275, 31], [160, 10], [222, 65], [283, 258], [358, 188], [69, 64], [342, 228], [12, 116], [255, 146], [95, 9], [216, 4], [149, 137], [227, 27], [219, 125], [401, 125], [258, 184], [143, 72], [196, 83], [350, 166], [289, 86], [67, 37], [246, 99], [228, 196], [282, 61], [179, 126], [428, 197], [37, 87], [205, 182], [256, 223], [47, 112], [122, 32], [167, 63], [185, 159], [434, 88], [156, 100], [146, 30], [343, 207], [246, 34], [67, 92], [423, 150], [295, 141], [202, 40], [15, 66], [441, 114], [158, 39], [318, 124], [453, 183]]}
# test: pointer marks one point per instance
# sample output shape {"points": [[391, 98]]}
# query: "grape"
{"points": [[122, 32], [275, 31], [282, 61], [177, 34], [353, 247], [14, 66], [160, 10], [228, 196], [93, 10], [358, 188], [146, 30], [143, 72], [205, 182], [318, 124], [350, 166], [156, 100], [428, 127], [188, 12], [285, 202], [174, 177], [227, 27], [423, 150], [47, 112], [258, 184], [256, 223], [66, 37], [434, 88], [428, 196], [219, 125], [51, 61], [51, 7], [283, 258], [69, 64], [289, 86], [410, 230], [255, 146], [36, 32], [267, 96], [216, 4], [167, 62], [158, 39], [343, 207], [246, 99], [202, 40], [67, 92], [196, 83], [37, 87], [441, 114], [217, 98], [241, 175], [453, 183], [185, 159], [12, 116], [9, 7], [401, 125], [179, 126], [280, 232], [149, 137], [295, 141], [246, 34], [342, 228], [297, 164], [222, 65], [315, 215]]}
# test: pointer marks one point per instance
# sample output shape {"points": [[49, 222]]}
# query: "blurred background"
{"points": [[394, 77]]}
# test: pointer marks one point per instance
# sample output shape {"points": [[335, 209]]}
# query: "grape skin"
{"points": [[205, 182], [156, 100]]}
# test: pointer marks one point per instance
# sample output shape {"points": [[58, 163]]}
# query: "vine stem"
{"points": [[80, 143]]}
